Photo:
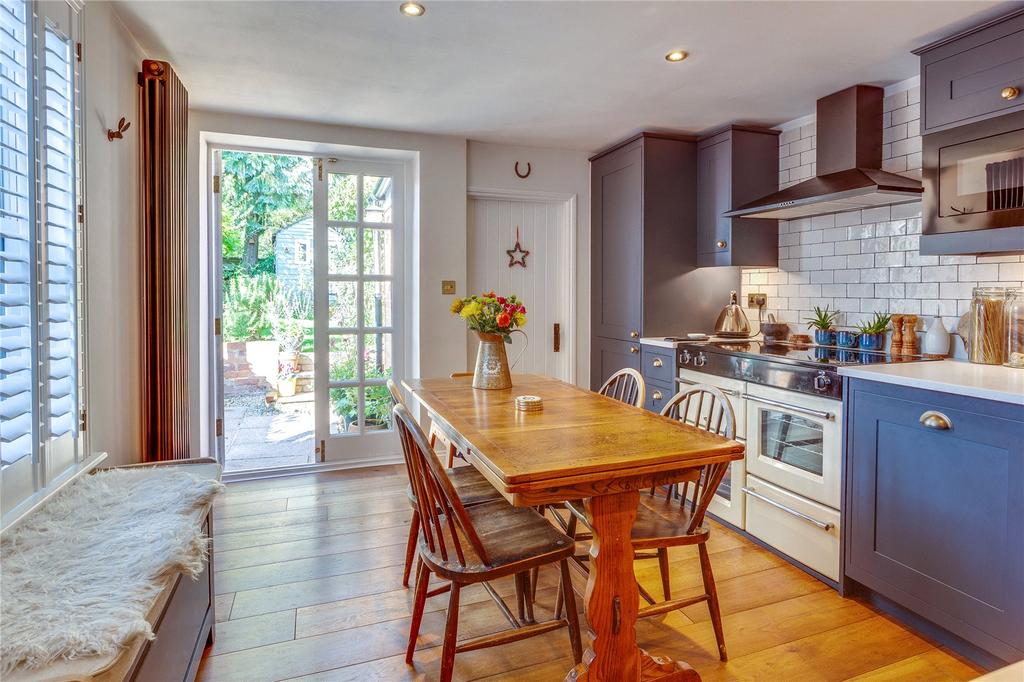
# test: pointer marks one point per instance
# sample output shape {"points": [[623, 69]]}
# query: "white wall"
{"points": [[111, 61], [492, 166], [440, 207]]}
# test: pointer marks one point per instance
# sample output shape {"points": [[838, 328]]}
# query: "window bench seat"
{"points": [[182, 618]]}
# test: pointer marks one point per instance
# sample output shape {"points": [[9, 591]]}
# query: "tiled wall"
{"points": [[866, 261]]}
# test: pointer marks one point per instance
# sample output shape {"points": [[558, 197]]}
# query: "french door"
{"points": [[358, 224]]}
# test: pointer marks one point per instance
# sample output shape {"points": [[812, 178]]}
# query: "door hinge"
{"points": [[82, 421], [78, 51], [81, 214], [321, 451], [319, 169], [216, 184], [220, 427], [216, 326]]}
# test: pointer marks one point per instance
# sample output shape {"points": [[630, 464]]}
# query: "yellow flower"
{"points": [[470, 309], [456, 306], [520, 319]]}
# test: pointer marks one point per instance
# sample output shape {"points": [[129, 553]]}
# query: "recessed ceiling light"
{"points": [[412, 9], [675, 56]]}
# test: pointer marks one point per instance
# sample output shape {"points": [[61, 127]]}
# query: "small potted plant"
{"points": [[872, 334], [824, 325], [287, 377]]}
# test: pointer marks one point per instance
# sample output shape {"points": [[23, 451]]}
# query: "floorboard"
{"points": [[308, 581]]}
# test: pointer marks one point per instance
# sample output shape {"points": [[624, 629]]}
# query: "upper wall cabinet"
{"points": [[972, 94], [735, 166]]}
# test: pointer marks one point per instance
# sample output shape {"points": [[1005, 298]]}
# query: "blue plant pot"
{"points": [[871, 341], [824, 337], [846, 339]]}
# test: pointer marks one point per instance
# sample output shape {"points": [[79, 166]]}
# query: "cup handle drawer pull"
{"points": [[657, 362], [656, 396], [824, 525], [935, 420]]}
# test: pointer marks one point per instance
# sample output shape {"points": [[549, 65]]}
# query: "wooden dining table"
{"points": [[580, 445]]}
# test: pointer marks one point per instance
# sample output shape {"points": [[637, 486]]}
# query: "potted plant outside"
{"points": [[823, 322], [872, 334]]}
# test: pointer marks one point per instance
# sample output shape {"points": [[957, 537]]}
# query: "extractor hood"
{"points": [[849, 164]]}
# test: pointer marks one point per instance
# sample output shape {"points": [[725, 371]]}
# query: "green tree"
{"points": [[260, 194]]}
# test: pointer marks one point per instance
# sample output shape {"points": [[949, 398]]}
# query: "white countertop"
{"points": [[990, 382]]}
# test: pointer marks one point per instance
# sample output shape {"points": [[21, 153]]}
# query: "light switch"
{"points": [[447, 287]]}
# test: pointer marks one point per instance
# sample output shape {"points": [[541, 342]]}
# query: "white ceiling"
{"points": [[563, 74]]}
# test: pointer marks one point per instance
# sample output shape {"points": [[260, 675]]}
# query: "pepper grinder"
{"points": [[910, 346], [896, 347]]}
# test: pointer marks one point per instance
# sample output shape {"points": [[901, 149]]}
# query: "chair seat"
{"points": [[511, 537], [470, 485]]}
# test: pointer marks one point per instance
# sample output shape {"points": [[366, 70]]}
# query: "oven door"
{"points": [[728, 504], [793, 441]]}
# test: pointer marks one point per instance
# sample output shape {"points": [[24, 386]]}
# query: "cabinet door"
{"points": [[608, 356], [935, 517], [617, 244], [714, 180]]}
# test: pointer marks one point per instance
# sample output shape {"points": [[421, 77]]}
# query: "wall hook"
{"points": [[523, 176], [118, 134]]}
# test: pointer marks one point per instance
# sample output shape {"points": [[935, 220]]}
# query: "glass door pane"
{"points": [[792, 440], [359, 212]]}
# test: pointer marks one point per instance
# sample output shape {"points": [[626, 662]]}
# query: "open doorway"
{"points": [[265, 207]]}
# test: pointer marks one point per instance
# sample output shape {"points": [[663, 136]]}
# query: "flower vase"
{"points": [[492, 370]]}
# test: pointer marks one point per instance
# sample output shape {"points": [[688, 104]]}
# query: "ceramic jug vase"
{"points": [[492, 368]]}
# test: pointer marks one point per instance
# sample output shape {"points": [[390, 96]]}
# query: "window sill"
{"points": [[38, 499]]}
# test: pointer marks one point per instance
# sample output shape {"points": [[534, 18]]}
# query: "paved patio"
{"points": [[261, 436]]}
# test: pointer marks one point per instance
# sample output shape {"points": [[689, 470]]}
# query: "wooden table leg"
{"points": [[612, 601]]}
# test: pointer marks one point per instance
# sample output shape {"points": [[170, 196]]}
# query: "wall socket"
{"points": [[447, 287], [757, 300]]}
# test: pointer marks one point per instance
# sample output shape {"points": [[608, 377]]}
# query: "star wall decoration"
{"points": [[517, 255]]}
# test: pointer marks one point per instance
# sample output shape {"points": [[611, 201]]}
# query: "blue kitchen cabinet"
{"points": [[934, 509], [658, 365]]}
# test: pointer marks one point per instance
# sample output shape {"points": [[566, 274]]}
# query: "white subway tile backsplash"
{"points": [[867, 260]]}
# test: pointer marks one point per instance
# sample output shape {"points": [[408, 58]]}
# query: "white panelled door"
{"points": [[358, 223], [546, 284]]}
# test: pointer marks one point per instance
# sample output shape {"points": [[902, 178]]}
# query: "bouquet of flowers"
{"points": [[491, 314]]}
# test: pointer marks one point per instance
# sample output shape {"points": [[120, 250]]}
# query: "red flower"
{"points": [[502, 300], [522, 309], [504, 319]]}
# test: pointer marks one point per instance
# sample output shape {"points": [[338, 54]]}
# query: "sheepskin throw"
{"points": [[78, 576]]}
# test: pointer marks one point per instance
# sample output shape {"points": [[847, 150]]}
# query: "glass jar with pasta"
{"points": [[988, 326]]}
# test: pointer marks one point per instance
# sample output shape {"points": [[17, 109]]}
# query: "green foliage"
{"points": [[377, 408], [260, 194], [877, 325], [247, 307], [823, 319]]}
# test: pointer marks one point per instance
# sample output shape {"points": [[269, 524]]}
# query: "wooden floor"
{"points": [[308, 578]]}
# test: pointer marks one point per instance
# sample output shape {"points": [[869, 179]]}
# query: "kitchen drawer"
{"points": [[658, 394], [966, 85], [732, 389], [658, 364], [797, 527]]}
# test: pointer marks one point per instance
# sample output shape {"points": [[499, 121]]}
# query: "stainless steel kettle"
{"points": [[732, 321]]}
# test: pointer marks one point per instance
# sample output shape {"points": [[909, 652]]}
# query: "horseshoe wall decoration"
{"points": [[523, 176]]}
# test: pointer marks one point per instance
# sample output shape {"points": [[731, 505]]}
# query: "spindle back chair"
{"points": [[627, 386], [514, 540]]}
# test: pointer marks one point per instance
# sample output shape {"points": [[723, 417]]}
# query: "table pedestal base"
{"points": [[612, 601]]}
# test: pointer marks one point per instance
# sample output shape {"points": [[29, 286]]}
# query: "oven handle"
{"points": [[795, 408], [727, 391], [825, 526]]}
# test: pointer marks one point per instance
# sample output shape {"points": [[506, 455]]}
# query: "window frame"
{"points": [[54, 461]]}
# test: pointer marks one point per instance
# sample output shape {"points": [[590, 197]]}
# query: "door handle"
{"points": [[634, 349], [824, 525], [557, 344], [820, 414]]}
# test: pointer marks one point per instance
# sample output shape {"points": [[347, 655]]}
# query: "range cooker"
{"points": [[786, 397]]}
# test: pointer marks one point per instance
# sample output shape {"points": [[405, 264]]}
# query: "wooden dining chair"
{"points": [[677, 519], [627, 386], [469, 484], [475, 545]]}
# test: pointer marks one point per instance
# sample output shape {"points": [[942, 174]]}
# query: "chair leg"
{"points": [[565, 591], [410, 546], [666, 580], [712, 592], [451, 455], [528, 596], [422, 578], [451, 633]]}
